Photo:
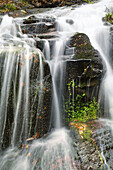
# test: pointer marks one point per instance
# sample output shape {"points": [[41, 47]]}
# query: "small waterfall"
{"points": [[99, 35], [56, 67], [47, 49]]}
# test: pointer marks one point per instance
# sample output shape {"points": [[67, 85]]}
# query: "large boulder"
{"points": [[84, 66]]}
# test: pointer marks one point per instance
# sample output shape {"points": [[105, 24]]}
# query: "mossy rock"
{"points": [[83, 47]]}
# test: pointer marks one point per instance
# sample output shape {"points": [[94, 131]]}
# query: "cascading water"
{"points": [[88, 19], [16, 60], [55, 151]]}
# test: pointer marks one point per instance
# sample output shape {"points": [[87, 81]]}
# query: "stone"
{"points": [[84, 67], [39, 107]]}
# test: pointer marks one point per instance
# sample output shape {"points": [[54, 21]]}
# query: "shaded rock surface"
{"points": [[84, 67], [39, 106]]}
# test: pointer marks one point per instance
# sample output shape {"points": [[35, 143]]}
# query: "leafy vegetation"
{"points": [[8, 7], [109, 17], [78, 109]]}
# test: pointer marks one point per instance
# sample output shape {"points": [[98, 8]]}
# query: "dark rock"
{"points": [[39, 107], [85, 67], [33, 19], [70, 21], [43, 28], [38, 28]]}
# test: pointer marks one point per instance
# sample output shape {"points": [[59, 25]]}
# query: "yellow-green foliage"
{"points": [[109, 17], [8, 7], [79, 109]]}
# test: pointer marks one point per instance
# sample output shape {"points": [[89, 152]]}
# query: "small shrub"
{"points": [[109, 16], [77, 108]]}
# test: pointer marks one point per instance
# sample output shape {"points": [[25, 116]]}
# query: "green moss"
{"points": [[83, 48]]}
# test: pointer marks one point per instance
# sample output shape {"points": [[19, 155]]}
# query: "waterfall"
{"points": [[88, 19], [18, 57]]}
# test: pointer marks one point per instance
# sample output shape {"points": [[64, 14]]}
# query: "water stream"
{"points": [[54, 151]]}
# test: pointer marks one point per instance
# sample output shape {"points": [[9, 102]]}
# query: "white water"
{"points": [[15, 55], [53, 152], [87, 19]]}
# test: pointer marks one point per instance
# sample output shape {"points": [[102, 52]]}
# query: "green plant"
{"points": [[8, 7], [109, 16], [78, 108]]}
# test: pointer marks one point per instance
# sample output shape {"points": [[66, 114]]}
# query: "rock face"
{"points": [[39, 106], [84, 67], [39, 27]]}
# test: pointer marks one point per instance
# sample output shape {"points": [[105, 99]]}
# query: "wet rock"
{"points": [[85, 67], [70, 21], [38, 28], [98, 152], [34, 19], [83, 47], [39, 107], [88, 155]]}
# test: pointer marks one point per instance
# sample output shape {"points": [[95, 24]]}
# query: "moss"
{"points": [[83, 48]]}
